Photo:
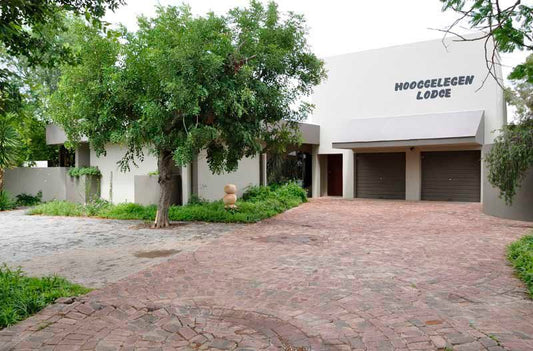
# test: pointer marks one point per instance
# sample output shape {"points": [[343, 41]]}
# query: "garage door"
{"points": [[380, 175], [451, 176]]}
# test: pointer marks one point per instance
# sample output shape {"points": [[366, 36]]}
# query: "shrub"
{"points": [[29, 200], [520, 253], [197, 200], [290, 191], [257, 203], [22, 296], [79, 171], [257, 193], [6, 203], [58, 208], [96, 206], [129, 211]]}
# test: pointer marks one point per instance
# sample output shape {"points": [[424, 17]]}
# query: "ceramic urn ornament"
{"points": [[231, 196]]}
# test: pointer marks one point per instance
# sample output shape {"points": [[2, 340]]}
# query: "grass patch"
{"points": [[520, 253], [256, 204], [6, 202], [22, 296]]}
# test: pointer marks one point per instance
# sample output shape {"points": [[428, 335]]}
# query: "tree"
{"points": [[22, 23], [512, 153], [10, 145], [509, 27], [182, 84], [22, 96], [30, 39]]}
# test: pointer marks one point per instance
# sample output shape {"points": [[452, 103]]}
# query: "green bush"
{"points": [[22, 296], [58, 208], [29, 200], [257, 193], [196, 200], [520, 253], [256, 204], [6, 202], [79, 171], [129, 211], [94, 207]]}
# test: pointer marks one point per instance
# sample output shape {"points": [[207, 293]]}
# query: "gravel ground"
{"points": [[95, 252]]}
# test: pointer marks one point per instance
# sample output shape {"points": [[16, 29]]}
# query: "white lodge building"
{"points": [[412, 122], [409, 122]]}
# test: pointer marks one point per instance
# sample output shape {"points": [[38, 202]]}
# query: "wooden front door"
{"points": [[335, 175]]}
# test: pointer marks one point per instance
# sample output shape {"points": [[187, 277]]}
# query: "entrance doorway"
{"points": [[335, 175]]}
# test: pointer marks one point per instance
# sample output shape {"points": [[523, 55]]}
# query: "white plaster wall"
{"points": [[51, 181], [211, 186], [348, 174], [361, 85], [413, 174], [123, 188]]}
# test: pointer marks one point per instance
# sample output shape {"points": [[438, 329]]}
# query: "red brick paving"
{"points": [[329, 275]]}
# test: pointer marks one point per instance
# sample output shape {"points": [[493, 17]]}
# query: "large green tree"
{"points": [[185, 83], [22, 23], [30, 31], [32, 45], [504, 26]]}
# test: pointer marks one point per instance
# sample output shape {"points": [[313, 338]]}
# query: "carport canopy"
{"points": [[450, 128]]}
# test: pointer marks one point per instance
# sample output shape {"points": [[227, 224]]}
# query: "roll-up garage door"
{"points": [[380, 175], [451, 176]]}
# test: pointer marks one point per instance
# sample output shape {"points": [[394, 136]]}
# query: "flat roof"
{"points": [[464, 127]]}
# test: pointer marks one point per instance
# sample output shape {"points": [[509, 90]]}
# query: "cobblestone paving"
{"points": [[329, 275], [94, 252]]}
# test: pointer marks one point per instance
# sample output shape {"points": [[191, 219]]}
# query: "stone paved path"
{"points": [[94, 252], [329, 275]]}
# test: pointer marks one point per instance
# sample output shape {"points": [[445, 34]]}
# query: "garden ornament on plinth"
{"points": [[231, 196]]}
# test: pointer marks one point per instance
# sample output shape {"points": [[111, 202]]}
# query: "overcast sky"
{"points": [[336, 26]]}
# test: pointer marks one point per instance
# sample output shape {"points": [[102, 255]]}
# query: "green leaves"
{"points": [[523, 71], [183, 83], [520, 253], [22, 296], [81, 171], [510, 158], [512, 153], [510, 24], [10, 142], [257, 204], [23, 23]]}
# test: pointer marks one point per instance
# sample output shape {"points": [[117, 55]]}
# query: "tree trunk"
{"points": [[1, 179], [164, 166]]}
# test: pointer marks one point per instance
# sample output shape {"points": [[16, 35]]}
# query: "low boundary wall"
{"points": [[54, 182]]}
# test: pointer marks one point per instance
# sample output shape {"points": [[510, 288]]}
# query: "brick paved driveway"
{"points": [[331, 274]]}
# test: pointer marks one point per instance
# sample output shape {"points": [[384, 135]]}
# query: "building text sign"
{"points": [[434, 88]]}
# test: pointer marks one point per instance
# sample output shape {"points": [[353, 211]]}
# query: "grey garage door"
{"points": [[380, 175], [451, 176]]}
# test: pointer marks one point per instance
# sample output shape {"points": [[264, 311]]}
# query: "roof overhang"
{"points": [[55, 135], [310, 133], [453, 128]]}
